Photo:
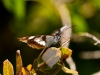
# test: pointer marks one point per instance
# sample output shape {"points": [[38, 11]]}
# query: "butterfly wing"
{"points": [[33, 41]]}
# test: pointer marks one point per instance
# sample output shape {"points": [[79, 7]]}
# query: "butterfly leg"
{"points": [[41, 53]]}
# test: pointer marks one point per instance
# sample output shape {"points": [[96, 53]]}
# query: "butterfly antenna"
{"points": [[60, 38], [70, 27], [65, 43], [66, 29], [41, 52], [63, 37]]}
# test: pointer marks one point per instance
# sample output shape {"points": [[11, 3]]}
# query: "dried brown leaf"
{"points": [[18, 63]]}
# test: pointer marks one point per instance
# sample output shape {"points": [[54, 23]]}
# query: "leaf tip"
{"points": [[18, 51]]}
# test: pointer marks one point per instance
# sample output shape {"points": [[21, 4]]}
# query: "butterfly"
{"points": [[43, 41]]}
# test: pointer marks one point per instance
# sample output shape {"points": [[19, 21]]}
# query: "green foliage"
{"points": [[17, 7]]}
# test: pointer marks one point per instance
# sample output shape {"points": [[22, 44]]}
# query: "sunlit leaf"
{"points": [[27, 70], [18, 62], [66, 52], [33, 72], [23, 71], [7, 68], [29, 67], [66, 70]]}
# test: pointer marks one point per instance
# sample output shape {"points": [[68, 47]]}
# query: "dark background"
{"points": [[24, 18]]}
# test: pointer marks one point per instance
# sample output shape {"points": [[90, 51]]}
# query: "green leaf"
{"points": [[17, 7]]}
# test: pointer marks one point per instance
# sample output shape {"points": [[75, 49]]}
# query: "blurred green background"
{"points": [[24, 18]]}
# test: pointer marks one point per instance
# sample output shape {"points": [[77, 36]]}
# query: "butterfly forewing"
{"points": [[33, 41]]}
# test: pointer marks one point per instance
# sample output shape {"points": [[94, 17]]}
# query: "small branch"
{"points": [[71, 64], [97, 41], [90, 54], [97, 73], [92, 37]]}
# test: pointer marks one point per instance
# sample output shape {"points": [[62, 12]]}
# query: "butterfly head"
{"points": [[59, 33]]}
